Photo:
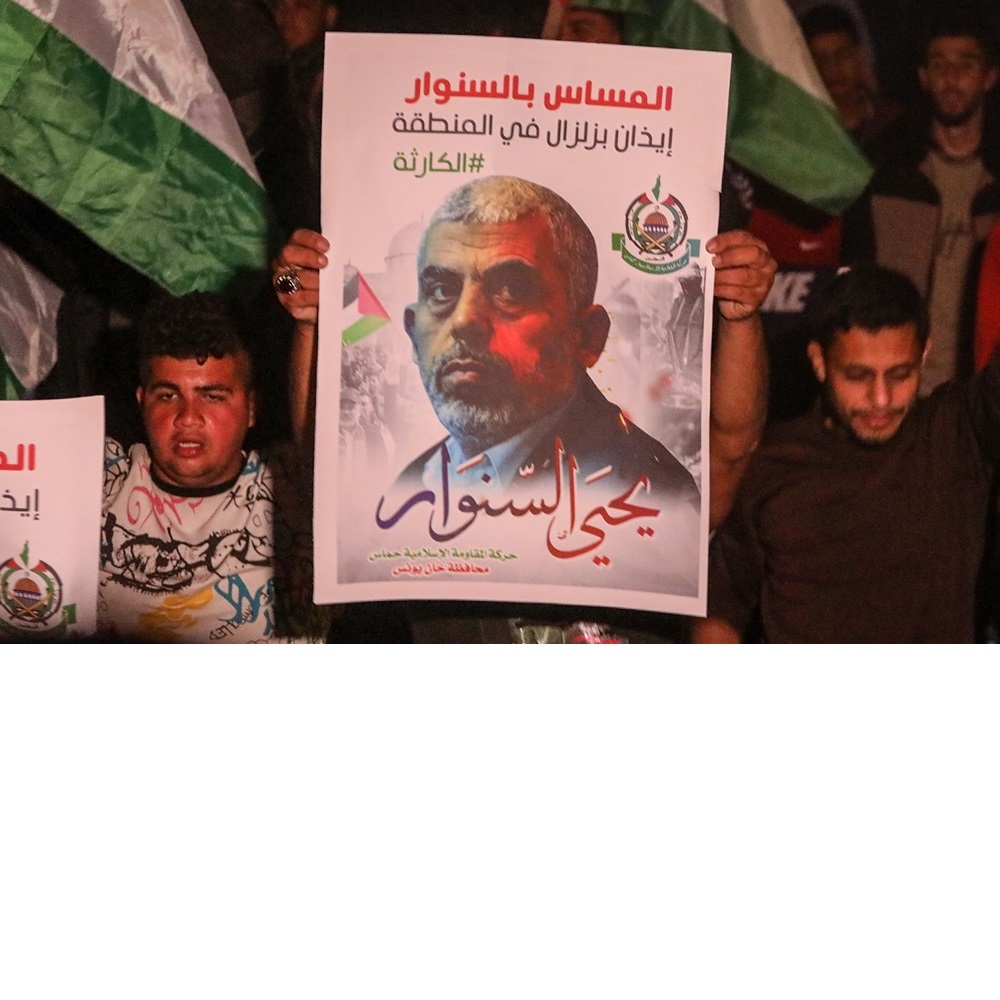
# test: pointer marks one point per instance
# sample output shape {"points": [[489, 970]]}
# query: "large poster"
{"points": [[515, 323], [51, 454]]}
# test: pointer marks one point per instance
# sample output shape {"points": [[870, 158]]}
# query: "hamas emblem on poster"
{"points": [[655, 233], [31, 597]]}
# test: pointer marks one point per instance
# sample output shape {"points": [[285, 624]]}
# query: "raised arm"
{"points": [[744, 272], [302, 257]]}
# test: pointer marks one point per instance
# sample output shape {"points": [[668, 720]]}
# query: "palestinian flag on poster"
{"points": [[782, 123], [29, 306], [363, 313], [110, 115]]}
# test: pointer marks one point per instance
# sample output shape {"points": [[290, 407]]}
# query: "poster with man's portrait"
{"points": [[515, 326]]}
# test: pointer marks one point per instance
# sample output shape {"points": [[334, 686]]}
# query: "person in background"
{"points": [[860, 23], [511, 19], [590, 24], [800, 235], [303, 25], [835, 44], [936, 190]]}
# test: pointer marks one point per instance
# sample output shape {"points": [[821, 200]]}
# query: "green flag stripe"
{"points": [[796, 142], [138, 181], [152, 47], [775, 129], [769, 32], [362, 328], [10, 388]]}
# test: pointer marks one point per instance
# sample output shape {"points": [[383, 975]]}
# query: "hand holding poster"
{"points": [[516, 376], [50, 511]]}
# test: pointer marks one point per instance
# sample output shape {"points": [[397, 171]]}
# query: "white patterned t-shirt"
{"points": [[202, 565]]}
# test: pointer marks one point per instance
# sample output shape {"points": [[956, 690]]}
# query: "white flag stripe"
{"points": [[28, 309], [151, 48], [763, 28]]}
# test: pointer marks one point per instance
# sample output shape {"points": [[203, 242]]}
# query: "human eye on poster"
{"points": [[515, 325]]}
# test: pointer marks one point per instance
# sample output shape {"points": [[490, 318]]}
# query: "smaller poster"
{"points": [[51, 454]]}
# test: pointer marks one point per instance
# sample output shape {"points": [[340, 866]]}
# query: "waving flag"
{"points": [[110, 115], [782, 124]]}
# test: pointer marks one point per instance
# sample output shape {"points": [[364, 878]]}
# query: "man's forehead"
{"points": [[589, 14], [528, 238], [833, 40], [882, 348], [229, 369], [956, 46]]}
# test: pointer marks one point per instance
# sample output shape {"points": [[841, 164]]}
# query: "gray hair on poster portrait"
{"points": [[491, 200]]}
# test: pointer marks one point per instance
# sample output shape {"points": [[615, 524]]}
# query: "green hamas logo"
{"points": [[657, 229], [30, 596]]}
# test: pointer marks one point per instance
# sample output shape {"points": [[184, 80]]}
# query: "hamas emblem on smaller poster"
{"points": [[31, 596], [657, 230]]}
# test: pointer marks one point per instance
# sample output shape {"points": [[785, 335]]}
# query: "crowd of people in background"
{"points": [[913, 81]]}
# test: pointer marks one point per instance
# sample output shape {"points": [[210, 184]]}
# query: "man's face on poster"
{"points": [[494, 333]]}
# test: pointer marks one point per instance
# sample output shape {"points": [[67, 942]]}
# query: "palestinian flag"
{"points": [[110, 115], [363, 313], [782, 123]]}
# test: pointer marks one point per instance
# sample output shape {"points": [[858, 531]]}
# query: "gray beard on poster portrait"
{"points": [[598, 435]]}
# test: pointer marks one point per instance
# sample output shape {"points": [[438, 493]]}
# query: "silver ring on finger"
{"points": [[287, 281]]}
